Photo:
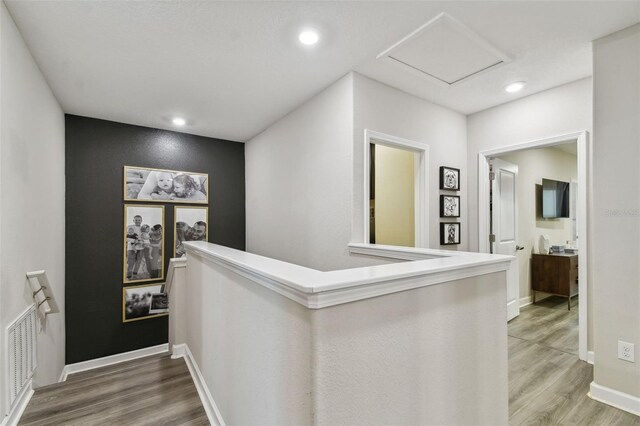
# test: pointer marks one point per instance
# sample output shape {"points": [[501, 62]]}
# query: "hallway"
{"points": [[548, 383]]}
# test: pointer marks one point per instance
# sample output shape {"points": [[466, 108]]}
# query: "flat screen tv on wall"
{"points": [[555, 198]]}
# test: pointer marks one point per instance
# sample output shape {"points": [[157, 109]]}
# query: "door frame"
{"points": [[421, 182], [584, 150]]}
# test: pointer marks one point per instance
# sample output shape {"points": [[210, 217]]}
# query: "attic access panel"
{"points": [[446, 51]]}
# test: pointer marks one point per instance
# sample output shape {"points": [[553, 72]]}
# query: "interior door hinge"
{"points": [[492, 175], [492, 238]]}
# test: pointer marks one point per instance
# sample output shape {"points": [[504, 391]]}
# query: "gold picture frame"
{"points": [[138, 247], [191, 216], [133, 308], [160, 186]]}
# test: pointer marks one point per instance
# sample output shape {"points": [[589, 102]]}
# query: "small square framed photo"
{"points": [[449, 206], [143, 302], [449, 233], [449, 178]]}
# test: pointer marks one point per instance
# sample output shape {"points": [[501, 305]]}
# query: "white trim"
{"points": [[315, 289], [591, 357], [112, 359], [462, 29], [615, 398], [513, 309], [525, 301], [19, 405], [421, 184], [583, 145], [210, 407]]}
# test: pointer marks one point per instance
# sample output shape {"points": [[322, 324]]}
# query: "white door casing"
{"points": [[505, 226]]}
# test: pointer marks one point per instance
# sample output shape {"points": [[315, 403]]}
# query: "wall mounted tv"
{"points": [[555, 198]]}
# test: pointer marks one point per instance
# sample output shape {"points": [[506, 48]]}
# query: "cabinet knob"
{"points": [[518, 248]]}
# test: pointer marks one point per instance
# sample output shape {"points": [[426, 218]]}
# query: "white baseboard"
{"points": [[210, 407], [19, 405], [591, 357], [513, 310], [524, 301], [112, 359], [615, 398]]}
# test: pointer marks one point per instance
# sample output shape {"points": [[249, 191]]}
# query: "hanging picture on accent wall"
{"points": [[190, 225], [449, 178], [143, 243], [449, 233], [143, 302], [449, 206], [165, 186]]}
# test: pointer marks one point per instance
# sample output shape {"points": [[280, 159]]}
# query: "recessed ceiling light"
{"points": [[179, 121], [308, 37], [515, 87]]}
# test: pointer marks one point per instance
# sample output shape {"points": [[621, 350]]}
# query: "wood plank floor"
{"points": [[548, 384], [155, 390]]}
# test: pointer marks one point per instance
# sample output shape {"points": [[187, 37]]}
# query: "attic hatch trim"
{"points": [[462, 29]]}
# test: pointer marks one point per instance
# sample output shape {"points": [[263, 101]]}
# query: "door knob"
{"points": [[518, 248]]}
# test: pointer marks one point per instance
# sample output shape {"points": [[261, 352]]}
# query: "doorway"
{"points": [[484, 205]]}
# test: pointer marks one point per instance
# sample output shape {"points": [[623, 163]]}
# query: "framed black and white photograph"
{"points": [[137, 302], [190, 225], [449, 206], [449, 178], [165, 186], [143, 243], [159, 303], [449, 233]]}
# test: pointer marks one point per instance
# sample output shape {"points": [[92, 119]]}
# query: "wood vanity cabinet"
{"points": [[555, 274]]}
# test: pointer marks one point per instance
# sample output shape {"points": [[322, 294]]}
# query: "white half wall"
{"points": [[616, 176], [32, 193]]}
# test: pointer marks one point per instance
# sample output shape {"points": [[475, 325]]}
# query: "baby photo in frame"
{"points": [[165, 186], [143, 302]]}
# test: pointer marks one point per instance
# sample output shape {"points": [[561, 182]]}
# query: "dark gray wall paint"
{"points": [[96, 151]]}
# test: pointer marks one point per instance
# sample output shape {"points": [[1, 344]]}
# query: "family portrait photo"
{"points": [[190, 225], [143, 243], [142, 302], [167, 186]]}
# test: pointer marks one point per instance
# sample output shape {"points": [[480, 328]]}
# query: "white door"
{"points": [[504, 219]]}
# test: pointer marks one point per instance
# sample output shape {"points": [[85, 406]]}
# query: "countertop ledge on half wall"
{"points": [[317, 289]]}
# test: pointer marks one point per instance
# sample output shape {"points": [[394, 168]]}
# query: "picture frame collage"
{"points": [[450, 232], [147, 192]]}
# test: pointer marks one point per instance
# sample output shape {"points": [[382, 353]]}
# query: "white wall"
{"points": [[32, 191], [297, 183], [533, 166], [616, 176], [385, 109], [305, 178], [559, 111]]}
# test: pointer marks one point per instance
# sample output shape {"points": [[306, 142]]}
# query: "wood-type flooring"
{"points": [[156, 390], [548, 384]]}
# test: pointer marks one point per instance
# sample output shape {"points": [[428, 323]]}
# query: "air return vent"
{"points": [[21, 352], [445, 51]]}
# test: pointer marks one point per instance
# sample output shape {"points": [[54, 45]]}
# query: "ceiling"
{"points": [[233, 68]]}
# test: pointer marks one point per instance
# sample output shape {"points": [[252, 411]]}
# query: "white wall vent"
{"points": [[445, 51], [21, 357]]}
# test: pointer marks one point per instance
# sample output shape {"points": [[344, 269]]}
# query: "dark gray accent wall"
{"points": [[96, 152]]}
